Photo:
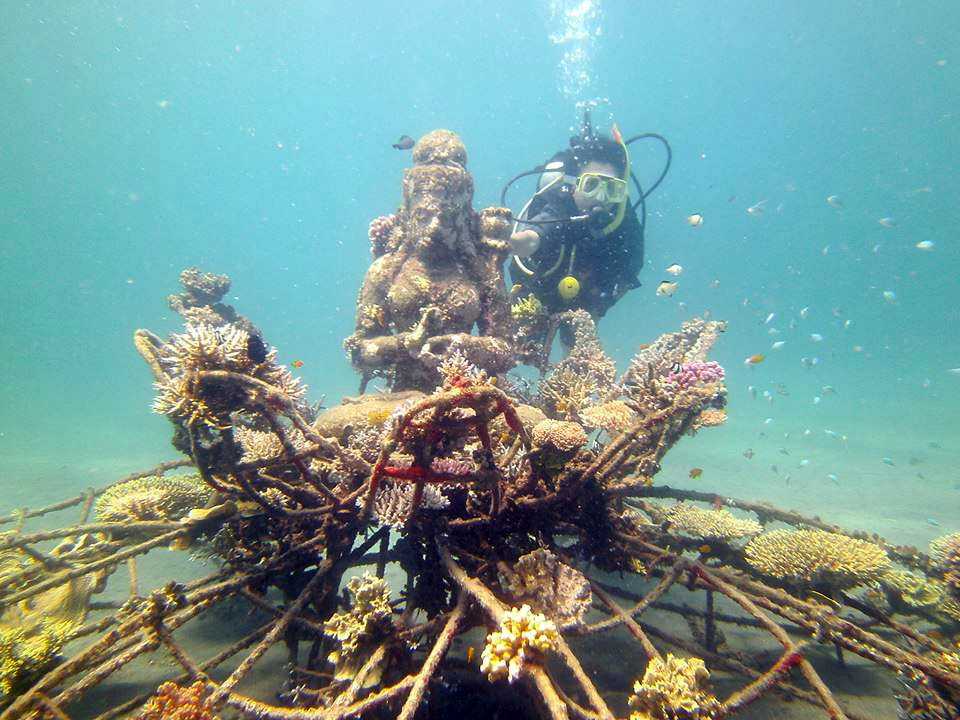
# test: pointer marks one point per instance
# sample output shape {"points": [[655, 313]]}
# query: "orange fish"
{"points": [[471, 651], [696, 472], [297, 364], [704, 548], [717, 502], [644, 346], [755, 359]]}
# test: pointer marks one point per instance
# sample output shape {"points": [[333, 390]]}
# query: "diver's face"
{"points": [[594, 166]]}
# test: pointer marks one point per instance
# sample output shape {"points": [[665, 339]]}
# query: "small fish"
{"points": [[857, 348], [834, 201], [935, 445], [804, 312], [825, 250], [887, 222], [769, 319], [704, 549], [515, 289], [748, 453], [256, 350], [925, 245], [714, 284], [887, 461], [807, 432], [695, 220], [876, 248], [772, 331], [767, 421], [667, 288], [753, 391], [778, 344], [644, 346], [831, 433], [404, 143], [832, 477], [676, 368], [954, 371], [825, 599], [695, 473], [755, 359], [783, 451], [828, 390], [757, 208], [804, 462], [297, 364], [471, 652], [890, 296], [847, 324], [816, 400], [816, 337], [775, 469], [675, 269], [933, 522]]}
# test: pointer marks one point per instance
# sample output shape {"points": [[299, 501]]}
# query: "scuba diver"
{"points": [[578, 241]]}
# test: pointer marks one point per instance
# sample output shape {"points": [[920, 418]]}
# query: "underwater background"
{"points": [[254, 139]]}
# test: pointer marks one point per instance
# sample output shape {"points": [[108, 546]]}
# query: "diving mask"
{"points": [[602, 188]]}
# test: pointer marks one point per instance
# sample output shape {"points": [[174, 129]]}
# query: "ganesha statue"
{"points": [[436, 277]]}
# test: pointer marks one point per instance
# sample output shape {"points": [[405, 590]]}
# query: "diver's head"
{"points": [[598, 185]]}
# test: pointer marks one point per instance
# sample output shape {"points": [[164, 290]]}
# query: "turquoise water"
{"points": [[254, 140]]}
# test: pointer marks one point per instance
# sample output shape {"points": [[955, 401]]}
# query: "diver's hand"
{"points": [[524, 243]]}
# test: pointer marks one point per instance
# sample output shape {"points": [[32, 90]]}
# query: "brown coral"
{"points": [[166, 497], [709, 524], [673, 688], [548, 586], [709, 417], [360, 628], [816, 557], [612, 416], [558, 435], [945, 553], [175, 702]]}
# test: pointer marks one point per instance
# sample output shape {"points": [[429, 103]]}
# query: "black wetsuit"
{"points": [[606, 266]]}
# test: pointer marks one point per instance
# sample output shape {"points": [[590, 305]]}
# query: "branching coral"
{"points": [[565, 392], [709, 524], [174, 702], [548, 586], [527, 310], [205, 347], [523, 636], [912, 589], [358, 630], [708, 417], [816, 557], [394, 502], [166, 497], [673, 688], [258, 445]]}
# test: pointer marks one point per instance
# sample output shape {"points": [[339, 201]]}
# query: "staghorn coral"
{"points": [[586, 355], [175, 702], [612, 416], [457, 371], [358, 630], [565, 391], [394, 500], [548, 586], [673, 688], [707, 524], [521, 637], [164, 497], [816, 557], [558, 435], [644, 381], [206, 347], [527, 310]]}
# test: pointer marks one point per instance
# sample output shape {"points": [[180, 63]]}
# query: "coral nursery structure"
{"points": [[462, 532]]}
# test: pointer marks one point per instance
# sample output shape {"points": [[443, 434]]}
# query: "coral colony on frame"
{"points": [[530, 514]]}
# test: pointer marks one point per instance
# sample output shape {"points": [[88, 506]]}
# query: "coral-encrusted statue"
{"points": [[436, 275]]}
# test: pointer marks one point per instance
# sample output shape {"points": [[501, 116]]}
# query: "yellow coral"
{"points": [[558, 435], [611, 416], [816, 556], [527, 310], [522, 635], [709, 524], [360, 628], [25, 652], [158, 497], [710, 417], [567, 390], [673, 688], [173, 702], [914, 590], [549, 586]]}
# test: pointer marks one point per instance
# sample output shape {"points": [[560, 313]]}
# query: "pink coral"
{"points": [[379, 234], [694, 373]]}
